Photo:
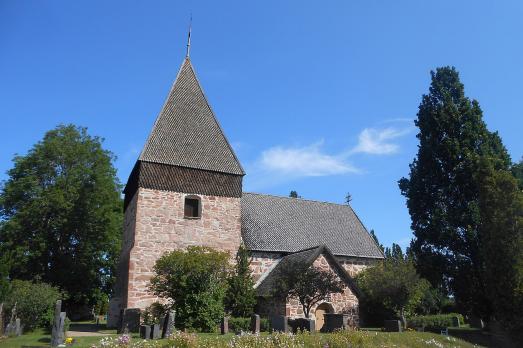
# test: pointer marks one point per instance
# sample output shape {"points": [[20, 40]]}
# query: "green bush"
{"points": [[194, 281], [244, 324], [435, 321], [35, 303]]}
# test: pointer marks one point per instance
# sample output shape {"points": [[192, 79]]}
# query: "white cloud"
{"points": [[379, 141], [304, 161]]}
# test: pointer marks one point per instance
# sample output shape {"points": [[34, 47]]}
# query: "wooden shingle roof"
{"points": [[186, 132], [288, 225]]}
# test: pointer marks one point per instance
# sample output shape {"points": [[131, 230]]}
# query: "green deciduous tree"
{"points": [[35, 303], [392, 285], [309, 284], [294, 194], [443, 190], [62, 214], [241, 295], [195, 283]]}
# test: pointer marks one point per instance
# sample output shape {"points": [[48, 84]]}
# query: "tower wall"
{"points": [[161, 227]]}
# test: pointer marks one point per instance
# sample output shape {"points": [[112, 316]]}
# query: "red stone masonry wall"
{"points": [[345, 302], [262, 262], [161, 227]]}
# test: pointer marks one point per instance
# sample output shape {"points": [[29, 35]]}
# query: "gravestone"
{"points": [[335, 322], [455, 321], [302, 324], [279, 323], [255, 324], [130, 320], [155, 331], [10, 329], [224, 326], [145, 331], [1, 319], [393, 326], [58, 330], [18, 327], [168, 324]]}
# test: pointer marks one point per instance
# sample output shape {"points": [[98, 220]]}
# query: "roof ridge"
{"points": [[298, 199], [149, 136], [187, 132], [214, 116]]}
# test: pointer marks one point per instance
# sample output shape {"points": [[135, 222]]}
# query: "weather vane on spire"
{"points": [[189, 39]]}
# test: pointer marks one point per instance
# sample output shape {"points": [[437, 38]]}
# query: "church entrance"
{"points": [[320, 311]]}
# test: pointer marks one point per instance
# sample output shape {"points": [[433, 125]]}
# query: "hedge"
{"points": [[244, 324], [435, 321]]}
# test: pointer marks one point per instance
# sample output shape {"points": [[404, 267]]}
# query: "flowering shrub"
{"points": [[181, 339], [340, 339]]}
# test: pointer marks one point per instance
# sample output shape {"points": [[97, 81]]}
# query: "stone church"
{"points": [[186, 189]]}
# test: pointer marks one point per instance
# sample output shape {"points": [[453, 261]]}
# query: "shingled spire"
{"points": [[186, 133], [187, 146]]}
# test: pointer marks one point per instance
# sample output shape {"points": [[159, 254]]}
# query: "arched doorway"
{"points": [[320, 311]]}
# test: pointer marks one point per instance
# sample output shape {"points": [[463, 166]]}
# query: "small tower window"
{"points": [[193, 209]]}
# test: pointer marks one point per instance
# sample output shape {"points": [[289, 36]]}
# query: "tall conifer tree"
{"points": [[443, 190]]}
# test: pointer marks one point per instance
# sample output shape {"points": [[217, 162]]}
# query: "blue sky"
{"points": [[317, 97]]}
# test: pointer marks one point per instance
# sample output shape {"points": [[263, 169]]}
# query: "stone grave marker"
{"points": [[155, 331], [335, 322], [10, 329], [279, 323], [18, 327], [224, 327], [131, 320], [255, 324], [455, 321], [1, 319], [145, 331], [58, 330], [168, 324]]}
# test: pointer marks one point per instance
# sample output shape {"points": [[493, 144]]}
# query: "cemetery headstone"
{"points": [[255, 324], [335, 322], [455, 322], [393, 326], [145, 331], [168, 324], [155, 331], [1, 319], [224, 327], [18, 327], [279, 323], [131, 320], [10, 329], [58, 330]]}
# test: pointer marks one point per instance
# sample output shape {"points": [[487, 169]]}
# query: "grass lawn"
{"points": [[358, 339], [39, 338]]}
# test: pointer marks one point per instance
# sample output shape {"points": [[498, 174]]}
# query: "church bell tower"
{"points": [[184, 190]]}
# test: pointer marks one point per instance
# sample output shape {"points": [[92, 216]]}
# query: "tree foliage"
{"points": [[501, 232], [61, 214], [392, 286], [294, 194], [375, 237], [241, 295], [195, 283], [517, 171], [443, 190], [309, 284], [35, 303]]}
